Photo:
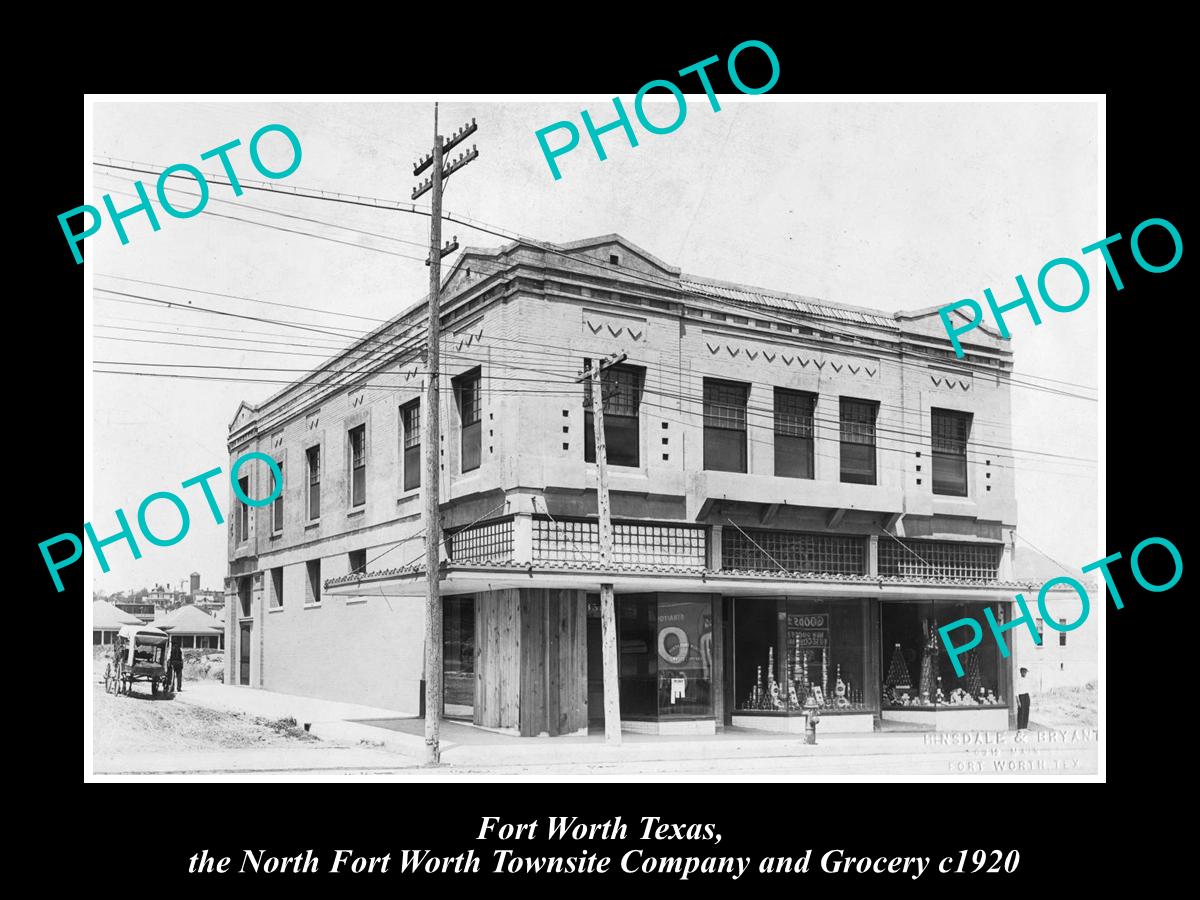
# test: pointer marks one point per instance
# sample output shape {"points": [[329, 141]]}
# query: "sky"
{"points": [[895, 206]]}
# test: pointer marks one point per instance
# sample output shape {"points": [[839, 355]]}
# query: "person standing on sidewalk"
{"points": [[176, 671], [1023, 700]]}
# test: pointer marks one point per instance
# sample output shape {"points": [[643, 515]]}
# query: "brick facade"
{"points": [[528, 318]]}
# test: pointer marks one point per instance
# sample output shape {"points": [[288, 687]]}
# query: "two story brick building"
{"points": [[802, 492]]}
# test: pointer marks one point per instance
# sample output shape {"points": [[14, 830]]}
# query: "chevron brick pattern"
{"points": [[791, 360], [599, 327], [939, 381]]}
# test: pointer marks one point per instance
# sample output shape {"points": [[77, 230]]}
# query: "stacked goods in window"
{"points": [[772, 696], [974, 679], [804, 684], [841, 690], [928, 685], [898, 682]]}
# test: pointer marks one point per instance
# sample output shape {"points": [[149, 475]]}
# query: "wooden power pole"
{"points": [[432, 439], [608, 611]]}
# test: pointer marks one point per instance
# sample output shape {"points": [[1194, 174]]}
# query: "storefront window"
{"points": [[786, 651], [982, 682], [667, 655], [917, 672], [636, 621], [458, 669], [684, 647]]}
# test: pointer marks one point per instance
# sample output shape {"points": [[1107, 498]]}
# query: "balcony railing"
{"points": [[960, 561], [575, 541]]}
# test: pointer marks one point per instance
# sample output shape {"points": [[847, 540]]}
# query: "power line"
{"points": [[751, 409], [761, 312], [276, 212]]}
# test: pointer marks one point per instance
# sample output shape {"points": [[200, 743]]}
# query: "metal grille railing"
{"points": [[939, 559], [830, 554], [488, 540], [575, 541]]}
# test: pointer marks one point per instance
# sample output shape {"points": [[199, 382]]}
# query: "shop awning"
{"points": [[468, 578]]}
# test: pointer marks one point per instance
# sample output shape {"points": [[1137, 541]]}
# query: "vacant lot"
{"points": [[1074, 707], [136, 724]]}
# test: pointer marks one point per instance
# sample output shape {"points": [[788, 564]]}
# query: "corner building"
{"points": [[802, 493]]}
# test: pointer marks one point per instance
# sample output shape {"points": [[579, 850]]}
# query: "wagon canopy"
{"points": [[143, 634]]}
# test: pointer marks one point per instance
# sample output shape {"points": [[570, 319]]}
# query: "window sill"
{"points": [[315, 523], [354, 513], [354, 601], [311, 606], [276, 535], [274, 609]]}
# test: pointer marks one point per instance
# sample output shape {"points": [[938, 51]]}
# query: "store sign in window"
{"points": [[807, 632]]}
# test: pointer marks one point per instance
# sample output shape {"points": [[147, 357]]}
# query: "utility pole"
{"points": [[432, 438], [608, 611]]}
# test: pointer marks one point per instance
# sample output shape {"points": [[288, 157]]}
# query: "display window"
{"points": [[788, 650], [638, 666], [684, 647], [666, 655], [917, 672]]}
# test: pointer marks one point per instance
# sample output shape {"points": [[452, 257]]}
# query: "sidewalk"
{"points": [[465, 745], [301, 758]]}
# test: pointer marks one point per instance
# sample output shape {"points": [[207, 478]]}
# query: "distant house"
{"points": [[1064, 658], [107, 621], [194, 628], [142, 610], [209, 600]]}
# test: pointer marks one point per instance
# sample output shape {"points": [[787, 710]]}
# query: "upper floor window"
{"points": [[467, 389], [312, 581], [858, 440], [244, 511], [950, 432], [358, 465], [313, 455], [794, 433], [277, 587], [410, 423], [621, 391], [725, 425], [277, 505]]}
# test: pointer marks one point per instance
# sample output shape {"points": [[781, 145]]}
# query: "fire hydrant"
{"points": [[810, 713]]}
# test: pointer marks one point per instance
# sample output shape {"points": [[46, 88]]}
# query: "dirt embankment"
{"points": [[137, 723], [1067, 707]]}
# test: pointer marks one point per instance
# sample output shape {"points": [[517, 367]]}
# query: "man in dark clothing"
{"points": [[175, 673], [1023, 700]]}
